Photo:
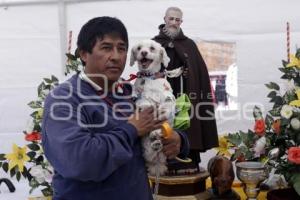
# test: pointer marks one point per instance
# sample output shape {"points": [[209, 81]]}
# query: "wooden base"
{"points": [[39, 198], [185, 185], [283, 194], [200, 196]]}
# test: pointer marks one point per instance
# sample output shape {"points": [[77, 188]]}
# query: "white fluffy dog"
{"points": [[152, 89]]}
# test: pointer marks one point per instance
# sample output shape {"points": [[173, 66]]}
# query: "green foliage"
{"points": [[5, 166], [35, 152], [73, 63], [33, 146], [2, 156], [243, 142], [273, 85], [295, 179]]}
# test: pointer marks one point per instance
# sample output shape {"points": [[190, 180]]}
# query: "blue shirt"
{"points": [[96, 154]]}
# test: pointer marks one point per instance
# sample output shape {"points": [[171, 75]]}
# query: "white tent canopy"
{"points": [[33, 40]]}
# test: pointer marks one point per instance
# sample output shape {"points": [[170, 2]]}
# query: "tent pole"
{"points": [[62, 33], [5, 4]]}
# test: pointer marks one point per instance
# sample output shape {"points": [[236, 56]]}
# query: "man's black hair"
{"points": [[97, 28]]}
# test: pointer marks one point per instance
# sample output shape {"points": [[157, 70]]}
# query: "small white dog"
{"points": [[152, 89]]}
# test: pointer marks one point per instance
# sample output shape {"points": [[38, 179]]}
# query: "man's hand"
{"points": [[146, 121], [171, 145]]}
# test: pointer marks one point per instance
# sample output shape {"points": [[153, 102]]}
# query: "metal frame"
{"points": [[61, 4], [4, 3]]}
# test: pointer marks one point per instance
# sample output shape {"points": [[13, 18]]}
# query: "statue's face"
{"points": [[173, 20]]}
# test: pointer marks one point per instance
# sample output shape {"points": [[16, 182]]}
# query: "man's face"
{"points": [[108, 58], [173, 20]]}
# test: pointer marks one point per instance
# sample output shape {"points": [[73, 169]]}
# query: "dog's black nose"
{"points": [[144, 53]]}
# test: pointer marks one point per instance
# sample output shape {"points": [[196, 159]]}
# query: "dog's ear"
{"points": [[132, 56], [164, 57]]}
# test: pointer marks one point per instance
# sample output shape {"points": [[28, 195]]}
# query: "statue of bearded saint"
{"points": [[173, 20]]}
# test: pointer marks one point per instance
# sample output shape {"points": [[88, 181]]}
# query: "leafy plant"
{"points": [[280, 128], [29, 161]]}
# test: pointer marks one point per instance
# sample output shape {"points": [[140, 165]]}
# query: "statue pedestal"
{"points": [[189, 187]]}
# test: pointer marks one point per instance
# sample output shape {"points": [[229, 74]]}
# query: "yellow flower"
{"points": [[17, 158], [223, 146], [294, 61], [296, 102]]}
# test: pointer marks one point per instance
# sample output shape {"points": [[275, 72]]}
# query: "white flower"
{"points": [[37, 173], [286, 111], [260, 146], [41, 175], [295, 123]]}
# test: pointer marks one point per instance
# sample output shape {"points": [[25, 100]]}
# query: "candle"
{"points": [[288, 40], [70, 42]]}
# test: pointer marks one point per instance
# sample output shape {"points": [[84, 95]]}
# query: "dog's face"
{"points": [[149, 56]]}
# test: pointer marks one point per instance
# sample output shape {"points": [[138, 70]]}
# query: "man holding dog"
{"points": [[91, 132], [194, 81]]}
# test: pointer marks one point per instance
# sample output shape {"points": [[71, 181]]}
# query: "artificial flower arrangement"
{"points": [[29, 161], [279, 130]]}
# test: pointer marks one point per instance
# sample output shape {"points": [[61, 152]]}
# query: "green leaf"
{"points": [[296, 182], [37, 127], [33, 146], [269, 121], [297, 80], [13, 172], [71, 56], [298, 53], [275, 111], [47, 80], [47, 192], [54, 79], [31, 190], [285, 77], [18, 176], [40, 88], [273, 85], [35, 104], [34, 114], [249, 138], [2, 156], [40, 159], [31, 154], [284, 63], [5, 167], [284, 122], [277, 100], [48, 87], [234, 139], [33, 183], [282, 69], [25, 173], [272, 94]]}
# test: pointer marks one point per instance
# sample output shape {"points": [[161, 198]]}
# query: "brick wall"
{"points": [[217, 55]]}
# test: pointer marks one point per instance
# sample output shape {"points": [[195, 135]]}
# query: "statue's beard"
{"points": [[171, 31]]}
